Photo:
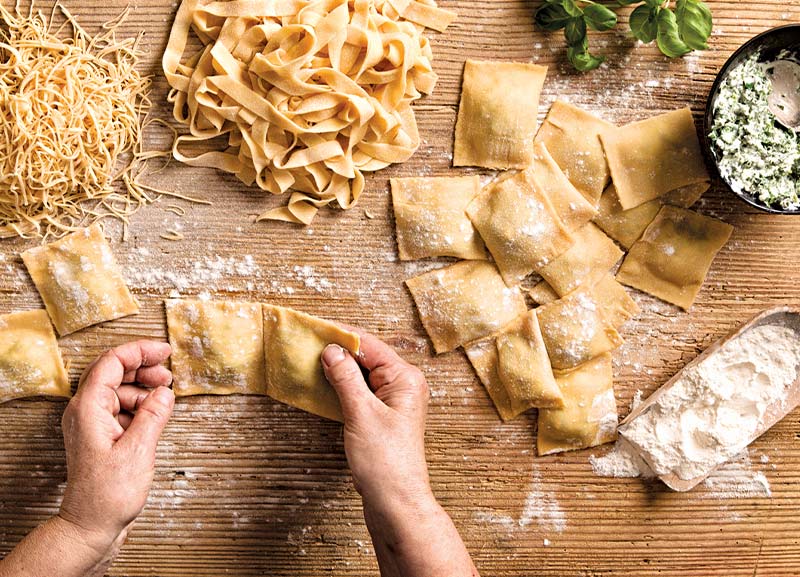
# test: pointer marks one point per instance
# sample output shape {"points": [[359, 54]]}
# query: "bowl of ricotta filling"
{"points": [[752, 121]]}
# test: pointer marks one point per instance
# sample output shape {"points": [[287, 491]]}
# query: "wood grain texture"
{"points": [[245, 486]]}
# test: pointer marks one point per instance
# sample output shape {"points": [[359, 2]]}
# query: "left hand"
{"points": [[111, 429]]}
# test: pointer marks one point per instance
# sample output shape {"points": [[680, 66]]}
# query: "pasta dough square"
{"points": [[524, 367], [483, 357], [589, 416], [496, 121], [519, 226], [431, 219], [293, 345], [217, 347], [570, 205], [673, 256], [585, 262], [572, 136], [614, 301], [649, 158], [79, 280], [575, 329], [465, 302], [627, 226], [30, 361]]}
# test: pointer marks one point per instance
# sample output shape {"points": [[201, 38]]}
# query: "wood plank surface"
{"points": [[245, 486]]}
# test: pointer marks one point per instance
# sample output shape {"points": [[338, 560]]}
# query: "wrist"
{"points": [[98, 543], [400, 507]]}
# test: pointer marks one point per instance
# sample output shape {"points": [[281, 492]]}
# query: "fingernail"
{"points": [[163, 395], [333, 354]]}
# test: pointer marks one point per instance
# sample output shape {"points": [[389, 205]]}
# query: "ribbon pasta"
{"points": [[307, 94]]}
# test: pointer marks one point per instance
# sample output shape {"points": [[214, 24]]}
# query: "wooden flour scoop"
{"points": [[781, 316]]}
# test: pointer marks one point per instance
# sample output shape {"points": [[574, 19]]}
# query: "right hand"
{"points": [[384, 422]]}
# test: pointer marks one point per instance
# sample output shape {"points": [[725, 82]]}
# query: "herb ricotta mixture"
{"points": [[755, 154]]}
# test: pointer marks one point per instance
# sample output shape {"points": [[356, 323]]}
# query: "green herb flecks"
{"points": [[755, 154]]}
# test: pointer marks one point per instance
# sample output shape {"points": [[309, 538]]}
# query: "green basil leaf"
{"points": [[552, 17], [575, 31], [694, 23], [643, 23], [582, 60], [668, 38], [572, 8], [598, 17]]}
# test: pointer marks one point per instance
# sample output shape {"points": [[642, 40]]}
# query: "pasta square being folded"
{"points": [[519, 225], [673, 256], [464, 302], [217, 347], [649, 158], [483, 357], [572, 136], [431, 219], [585, 262], [30, 361], [524, 367], [570, 205], [496, 121], [575, 329], [293, 345], [79, 280], [589, 416]]}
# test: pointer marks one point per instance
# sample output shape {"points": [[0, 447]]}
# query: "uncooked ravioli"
{"points": [[30, 361], [79, 280], [496, 121], [483, 357]]}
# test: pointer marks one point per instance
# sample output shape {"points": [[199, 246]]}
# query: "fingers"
{"points": [[131, 397], [155, 376], [110, 370], [152, 414], [344, 375]]}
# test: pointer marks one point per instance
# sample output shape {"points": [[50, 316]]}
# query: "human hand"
{"points": [[384, 423], [111, 428]]}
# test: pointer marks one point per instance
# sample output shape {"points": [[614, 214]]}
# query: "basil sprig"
{"points": [[676, 30]]}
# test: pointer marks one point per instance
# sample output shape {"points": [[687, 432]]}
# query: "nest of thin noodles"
{"points": [[307, 95], [72, 107]]}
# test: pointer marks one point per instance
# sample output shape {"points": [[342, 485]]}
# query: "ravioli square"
{"points": [[482, 356], [589, 416], [464, 302], [576, 330], [79, 280], [293, 345], [614, 301], [431, 219], [30, 361], [519, 226], [649, 158], [217, 347], [572, 136], [585, 262], [496, 121], [672, 258]]}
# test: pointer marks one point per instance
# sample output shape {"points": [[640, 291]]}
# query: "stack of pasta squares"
{"points": [[574, 197]]}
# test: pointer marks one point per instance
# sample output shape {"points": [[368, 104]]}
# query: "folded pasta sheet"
{"points": [[293, 345], [30, 362], [307, 96], [79, 280]]}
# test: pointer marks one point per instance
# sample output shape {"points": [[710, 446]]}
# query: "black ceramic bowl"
{"points": [[769, 44]]}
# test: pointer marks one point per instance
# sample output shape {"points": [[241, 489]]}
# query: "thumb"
{"points": [[344, 375], [148, 423]]}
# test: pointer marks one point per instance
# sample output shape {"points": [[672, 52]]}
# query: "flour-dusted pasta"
{"points": [[542, 293], [519, 225], [572, 137], [496, 121], [613, 300], [626, 226], [570, 205], [585, 262], [79, 280], [464, 302], [293, 345], [589, 416], [30, 361], [524, 367], [483, 357], [217, 347], [671, 259], [431, 219], [649, 158], [575, 329]]}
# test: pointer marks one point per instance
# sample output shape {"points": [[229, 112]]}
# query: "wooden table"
{"points": [[245, 486]]}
